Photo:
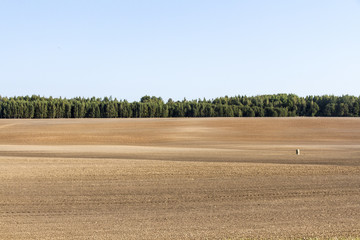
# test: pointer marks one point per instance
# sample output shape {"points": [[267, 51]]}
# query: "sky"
{"points": [[179, 48]]}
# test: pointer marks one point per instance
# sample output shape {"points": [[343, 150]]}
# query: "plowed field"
{"points": [[218, 178]]}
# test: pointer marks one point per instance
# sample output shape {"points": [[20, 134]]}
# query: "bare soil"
{"points": [[218, 178]]}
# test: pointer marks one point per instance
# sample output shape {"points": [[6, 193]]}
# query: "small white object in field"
{"points": [[297, 151]]}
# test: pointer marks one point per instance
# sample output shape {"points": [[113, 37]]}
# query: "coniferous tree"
{"points": [[282, 105]]}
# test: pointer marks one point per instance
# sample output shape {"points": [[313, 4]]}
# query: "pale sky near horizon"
{"points": [[179, 48]]}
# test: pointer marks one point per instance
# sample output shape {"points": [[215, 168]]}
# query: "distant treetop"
{"points": [[277, 105]]}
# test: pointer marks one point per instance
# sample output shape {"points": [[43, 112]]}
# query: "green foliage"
{"points": [[279, 105]]}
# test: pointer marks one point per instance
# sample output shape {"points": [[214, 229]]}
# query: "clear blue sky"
{"points": [[179, 48]]}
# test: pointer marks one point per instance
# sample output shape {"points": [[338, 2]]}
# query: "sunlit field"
{"points": [[217, 178]]}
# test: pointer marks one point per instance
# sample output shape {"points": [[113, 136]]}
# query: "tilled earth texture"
{"points": [[218, 178]]}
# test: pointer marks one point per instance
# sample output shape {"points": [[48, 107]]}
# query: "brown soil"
{"points": [[179, 178]]}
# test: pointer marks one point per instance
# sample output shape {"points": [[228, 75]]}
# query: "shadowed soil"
{"points": [[215, 178]]}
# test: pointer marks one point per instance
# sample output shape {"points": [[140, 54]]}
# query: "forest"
{"points": [[277, 105]]}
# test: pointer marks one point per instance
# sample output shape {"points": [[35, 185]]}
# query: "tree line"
{"points": [[277, 105]]}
